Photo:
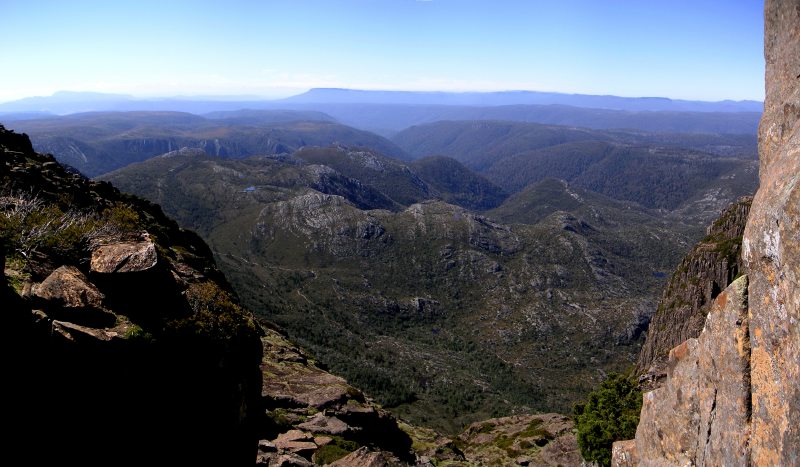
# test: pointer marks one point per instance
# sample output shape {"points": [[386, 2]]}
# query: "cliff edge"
{"points": [[731, 395], [702, 274], [124, 344]]}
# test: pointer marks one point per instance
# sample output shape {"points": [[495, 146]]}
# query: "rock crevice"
{"points": [[739, 378]]}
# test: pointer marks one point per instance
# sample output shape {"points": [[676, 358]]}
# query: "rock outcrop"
{"points": [[702, 274], [772, 248], [540, 439], [123, 342], [700, 416], [312, 415], [731, 396]]}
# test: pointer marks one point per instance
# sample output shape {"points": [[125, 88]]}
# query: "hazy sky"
{"points": [[693, 49]]}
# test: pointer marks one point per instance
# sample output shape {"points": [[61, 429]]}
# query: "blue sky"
{"points": [[698, 49]]}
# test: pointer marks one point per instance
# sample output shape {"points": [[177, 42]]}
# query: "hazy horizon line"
{"points": [[291, 92]]}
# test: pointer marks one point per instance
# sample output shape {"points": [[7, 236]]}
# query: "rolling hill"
{"points": [[442, 314], [357, 96], [456, 184], [661, 170], [96, 143]]}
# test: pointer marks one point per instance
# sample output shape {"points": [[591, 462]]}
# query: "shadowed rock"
{"points": [[67, 287], [365, 458]]}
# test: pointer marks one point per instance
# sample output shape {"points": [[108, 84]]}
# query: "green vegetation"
{"points": [[335, 450], [279, 419], [29, 224], [458, 185], [654, 170], [98, 143], [610, 414], [534, 430], [136, 333], [215, 314]]}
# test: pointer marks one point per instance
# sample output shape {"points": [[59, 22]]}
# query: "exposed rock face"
{"points": [[702, 275], [124, 257], [772, 248], [124, 343], [700, 416], [308, 410], [732, 396], [365, 458], [67, 287]]}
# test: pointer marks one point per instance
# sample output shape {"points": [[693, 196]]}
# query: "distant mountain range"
{"points": [[387, 112], [490, 99], [99, 142]]}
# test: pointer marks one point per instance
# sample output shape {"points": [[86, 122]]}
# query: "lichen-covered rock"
{"points": [[68, 287], [124, 257], [365, 458], [702, 274], [732, 396], [772, 248], [624, 454], [541, 439], [700, 416], [296, 441], [292, 381], [304, 401], [320, 423]]}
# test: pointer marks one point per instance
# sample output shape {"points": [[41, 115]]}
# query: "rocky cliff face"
{"points": [[772, 248], [705, 271], [731, 396], [123, 342]]}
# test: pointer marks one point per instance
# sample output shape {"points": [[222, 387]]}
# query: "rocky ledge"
{"points": [[124, 342], [314, 417]]}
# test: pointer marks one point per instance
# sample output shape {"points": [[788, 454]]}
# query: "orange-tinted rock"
{"points": [[365, 458], [320, 423], [700, 416], [772, 247], [624, 454], [69, 288]]}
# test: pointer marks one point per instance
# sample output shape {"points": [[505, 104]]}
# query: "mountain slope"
{"points": [[431, 309], [77, 258], [457, 184], [655, 170], [387, 175], [652, 176], [479, 144], [96, 143]]}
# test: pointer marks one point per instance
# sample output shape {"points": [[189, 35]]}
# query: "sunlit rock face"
{"points": [[731, 396], [772, 248]]}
